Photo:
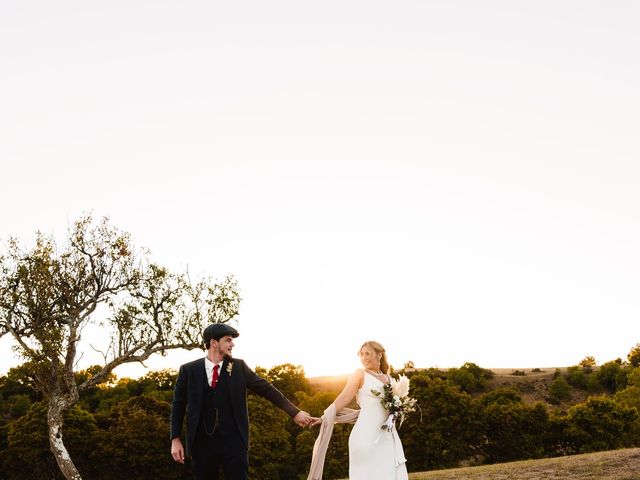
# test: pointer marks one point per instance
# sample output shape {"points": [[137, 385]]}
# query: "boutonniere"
{"points": [[229, 368]]}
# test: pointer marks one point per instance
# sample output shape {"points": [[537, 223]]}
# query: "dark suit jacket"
{"points": [[187, 397]]}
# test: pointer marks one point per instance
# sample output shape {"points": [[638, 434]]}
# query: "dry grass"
{"points": [[611, 465]]}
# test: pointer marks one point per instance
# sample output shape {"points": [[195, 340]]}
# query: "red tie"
{"points": [[214, 377]]}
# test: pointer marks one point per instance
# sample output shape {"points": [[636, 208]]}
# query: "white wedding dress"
{"points": [[374, 453]]}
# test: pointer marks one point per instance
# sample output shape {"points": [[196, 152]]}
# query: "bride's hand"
{"points": [[315, 421]]}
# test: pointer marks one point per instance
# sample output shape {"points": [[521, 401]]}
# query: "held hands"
{"points": [[303, 419]]}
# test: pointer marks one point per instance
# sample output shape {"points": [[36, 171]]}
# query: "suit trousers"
{"points": [[212, 452]]}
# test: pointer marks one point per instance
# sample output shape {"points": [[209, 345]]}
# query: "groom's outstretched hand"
{"points": [[177, 452], [303, 419]]}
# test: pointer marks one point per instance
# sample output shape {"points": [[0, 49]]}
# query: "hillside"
{"points": [[610, 465], [333, 383], [533, 385]]}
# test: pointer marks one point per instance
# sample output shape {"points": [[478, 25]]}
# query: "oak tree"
{"points": [[51, 294]]}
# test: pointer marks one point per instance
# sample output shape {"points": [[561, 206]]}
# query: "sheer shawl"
{"points": [[330, 417]]}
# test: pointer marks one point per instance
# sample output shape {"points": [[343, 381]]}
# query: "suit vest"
{"points": [[216, 415]]}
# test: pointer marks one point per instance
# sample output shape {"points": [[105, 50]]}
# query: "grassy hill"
{"points": [[611, 465], [532, 383]]}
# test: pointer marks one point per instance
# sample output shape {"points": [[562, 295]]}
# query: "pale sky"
{"points": [[457, 180]]}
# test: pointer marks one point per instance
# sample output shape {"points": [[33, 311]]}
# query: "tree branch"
{"points": [[131, 357]]}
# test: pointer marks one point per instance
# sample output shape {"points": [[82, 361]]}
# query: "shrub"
{"points": [[629, 397], [601, 423], [587, 364], [559, 390], [448, 430], [612, 376], [577, 377], [634, 356], [515, 431], [134, 442], [28, 456], [470, 377], [526, 387]]}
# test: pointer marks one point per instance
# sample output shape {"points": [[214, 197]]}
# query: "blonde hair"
{"points": [[378, 348]]}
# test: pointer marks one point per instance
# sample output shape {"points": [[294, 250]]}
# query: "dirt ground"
{"points": [[610, 465]]}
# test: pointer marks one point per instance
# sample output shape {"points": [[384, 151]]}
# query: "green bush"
{"points": [[634, 356], [559, 390], [601, 423], [612, 376], [28, 457], [133, 442], [449, 429], [470, 377], [577, 377], [515, 431]]}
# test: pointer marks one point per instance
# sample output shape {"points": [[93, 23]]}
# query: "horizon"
{"points": [[135, 370]]}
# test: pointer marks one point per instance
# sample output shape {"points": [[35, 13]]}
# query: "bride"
{"points": [[374, 453]]}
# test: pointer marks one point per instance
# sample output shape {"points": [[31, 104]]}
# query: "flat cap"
{"points": [[216, 331]]}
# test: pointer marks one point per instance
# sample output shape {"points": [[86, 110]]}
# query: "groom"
{"points": [[213, 393]]}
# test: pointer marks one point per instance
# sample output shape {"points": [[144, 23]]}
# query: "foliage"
{"points": [[27, 455], [633, 377], [50, 293], [271, 455], [629, 397], [448, 430], [559, 390], [634, 356], [120, 429], [289, 379], [601, 424], [315, 404], [469, 377], [19, 381], [587, 363], [513, 430], [337, 459], [501, 396], [409, 365], [138, 425], [577, 377], [612, 376]]}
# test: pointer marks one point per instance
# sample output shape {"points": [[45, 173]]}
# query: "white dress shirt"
{"points": [[208, 366]]}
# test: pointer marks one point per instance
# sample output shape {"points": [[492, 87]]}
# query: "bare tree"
{"points": [[49, 295]]}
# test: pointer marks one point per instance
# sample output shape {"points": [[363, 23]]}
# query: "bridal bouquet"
{"points": [[396, 401]]}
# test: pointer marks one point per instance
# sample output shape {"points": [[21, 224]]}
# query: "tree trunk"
{"points": [[57, 407]]}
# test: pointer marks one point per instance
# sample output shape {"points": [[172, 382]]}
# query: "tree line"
{"points": [[120, 429]]}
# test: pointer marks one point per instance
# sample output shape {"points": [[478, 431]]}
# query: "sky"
{"points": [[455, 179]]}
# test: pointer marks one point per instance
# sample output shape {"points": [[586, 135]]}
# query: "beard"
{"points": [[228, 356]]}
